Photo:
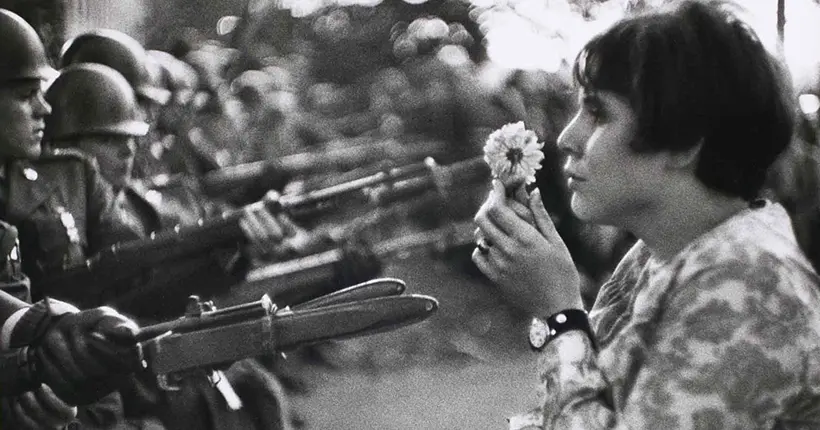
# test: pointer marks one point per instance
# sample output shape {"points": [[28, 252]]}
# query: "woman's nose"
{"points": [[570, 141]]}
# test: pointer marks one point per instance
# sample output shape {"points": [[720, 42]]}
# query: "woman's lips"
{"points": [[574, 181]]}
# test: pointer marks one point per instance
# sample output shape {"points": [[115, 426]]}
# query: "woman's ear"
{"points": [[686, 159]]}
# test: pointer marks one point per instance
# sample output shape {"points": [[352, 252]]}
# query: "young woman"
{"points": [[712, 320]]}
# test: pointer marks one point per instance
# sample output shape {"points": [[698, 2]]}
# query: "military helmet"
{"points": [[181, 77], [118, 51], [22, 54], [92, 99]]}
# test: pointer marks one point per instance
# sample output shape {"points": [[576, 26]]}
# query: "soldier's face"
{"points": [[148, 110], [22, 114], [114, 155]]}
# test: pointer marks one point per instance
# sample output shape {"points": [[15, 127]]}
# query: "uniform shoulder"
{"points": [[61, 154]]}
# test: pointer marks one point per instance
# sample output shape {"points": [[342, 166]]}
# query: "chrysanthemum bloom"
{"points": [[514, 154]]}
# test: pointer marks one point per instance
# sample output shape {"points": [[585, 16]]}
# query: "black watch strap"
{"points": [[568, 320]]}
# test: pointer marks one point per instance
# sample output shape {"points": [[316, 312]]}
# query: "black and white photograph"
{"points": [[409, 214]]}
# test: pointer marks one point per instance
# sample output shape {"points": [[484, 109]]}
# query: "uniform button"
{"points": [[154, 197], [30, 174]]}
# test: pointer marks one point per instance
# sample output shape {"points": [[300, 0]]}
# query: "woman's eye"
{"points": [[595, 112]]}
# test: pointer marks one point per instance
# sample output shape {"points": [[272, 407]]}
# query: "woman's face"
{"points": [[610, 184]]}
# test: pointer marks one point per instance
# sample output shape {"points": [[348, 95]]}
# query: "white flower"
{"points": [[514, 154]]}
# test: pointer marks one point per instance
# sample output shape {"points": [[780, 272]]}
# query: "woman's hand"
{"points": [[526, 257]]}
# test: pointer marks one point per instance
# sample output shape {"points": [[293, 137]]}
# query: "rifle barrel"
{"points": [[315, 162], [289, 281]]}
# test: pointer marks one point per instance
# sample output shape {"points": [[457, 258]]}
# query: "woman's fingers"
{"points": [[487, 262], [543, 221], [506, 223], [491, 235], [523, 211]]}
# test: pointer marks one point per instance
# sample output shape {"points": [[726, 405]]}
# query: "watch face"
{"points": [[538, 333]]}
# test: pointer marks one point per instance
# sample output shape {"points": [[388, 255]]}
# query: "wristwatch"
{"points": [[542, 331]]}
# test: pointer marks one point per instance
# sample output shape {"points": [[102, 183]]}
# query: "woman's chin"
{"points": [[581, 208], [586, 210]]}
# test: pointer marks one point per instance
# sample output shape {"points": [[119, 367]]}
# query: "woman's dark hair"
{"points": [[695, 73]]}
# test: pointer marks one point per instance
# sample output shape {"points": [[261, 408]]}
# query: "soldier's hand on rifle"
{"points": [[359, 263], [265, 233], [274, 236], [300, 242], [35, 410], [84, 355]]}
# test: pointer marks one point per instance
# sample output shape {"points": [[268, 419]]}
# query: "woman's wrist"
{"points": [[547, 310], [544, 330]]}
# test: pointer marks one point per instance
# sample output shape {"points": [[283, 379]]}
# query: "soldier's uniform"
{"points": [[64, 211], [14, 290], [59, 204], [9, 305], [155, 208], [170, 201], [158, 294]]}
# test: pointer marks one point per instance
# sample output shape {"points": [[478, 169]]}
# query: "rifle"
{"points": [[129, 259], [288, 281], [266, 173], [206, 338]]}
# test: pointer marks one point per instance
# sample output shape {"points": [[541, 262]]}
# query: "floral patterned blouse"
{"points": [[725, 335]]}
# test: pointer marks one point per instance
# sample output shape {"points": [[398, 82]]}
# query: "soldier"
{"points": [[170, 153], [62, 207], [107, 131], [128, 57], [74, 364], [123, 54], [214, 136], [57, 201], [203, 145], [52, 200]]}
